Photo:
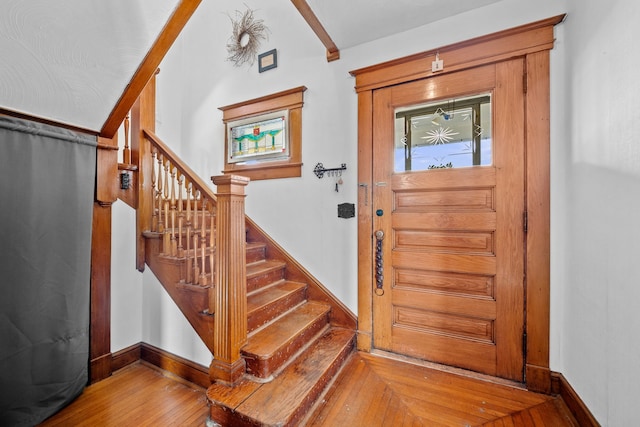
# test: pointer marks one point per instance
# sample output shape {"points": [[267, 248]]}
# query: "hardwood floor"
{"points": [[370, 391], [137, 395], [377, 391]]}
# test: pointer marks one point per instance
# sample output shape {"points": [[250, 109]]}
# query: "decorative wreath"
{"points": [[245, 40]]}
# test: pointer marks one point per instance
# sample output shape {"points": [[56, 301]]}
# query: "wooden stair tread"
{"points": [[270, 302], [264, 296], [262, 267], [255, 245], [287, 398], [267, 341]]}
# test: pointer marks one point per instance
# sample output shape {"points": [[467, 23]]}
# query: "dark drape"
{"points": [[47, 180]]}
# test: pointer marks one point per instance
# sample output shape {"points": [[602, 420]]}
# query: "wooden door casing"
{"points": [[532, 42]]}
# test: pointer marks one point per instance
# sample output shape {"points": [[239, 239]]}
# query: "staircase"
{"points": [[292, 352], [295, 344], [278, 336]]}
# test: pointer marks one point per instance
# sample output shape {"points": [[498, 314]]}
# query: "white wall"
{"points": [[126, 282], [600, 351], [594, 168]]}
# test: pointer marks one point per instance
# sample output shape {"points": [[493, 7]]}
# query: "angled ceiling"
{"points": [[70, 63], [354, 22]]}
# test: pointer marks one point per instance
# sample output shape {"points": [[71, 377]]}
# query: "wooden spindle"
{"points": [[154, 190], [212, 242], [180, 216], [196, 270], [172, 237], [166, 238], [159, 193], [203, 245], [188, 234], [126, 153]]}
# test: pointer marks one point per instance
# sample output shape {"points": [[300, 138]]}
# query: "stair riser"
{"points": [[270, 312], [257, 282], [255, 254], [264, 368], [291, 397], [319, 387]]}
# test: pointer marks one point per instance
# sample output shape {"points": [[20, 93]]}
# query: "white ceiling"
{"points": [[70, 62], [354, 22]]}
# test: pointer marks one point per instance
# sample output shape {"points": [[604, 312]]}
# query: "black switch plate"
{"points": [[346, 210]]}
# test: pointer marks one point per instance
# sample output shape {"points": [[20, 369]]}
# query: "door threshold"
{"points": [[449, 369]]}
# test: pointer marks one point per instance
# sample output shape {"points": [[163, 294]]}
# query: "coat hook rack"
{"points": [[320, 170]]}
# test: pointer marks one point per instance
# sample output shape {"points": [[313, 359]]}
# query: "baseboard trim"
{"points": [[199, 375], [561, 387], [176, 365], [125, 357], [100, 368]]}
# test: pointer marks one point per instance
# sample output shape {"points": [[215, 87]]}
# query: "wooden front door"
{"points": [[448, 203]]}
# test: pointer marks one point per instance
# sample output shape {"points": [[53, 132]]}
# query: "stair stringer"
{"points": [[192, 300]]}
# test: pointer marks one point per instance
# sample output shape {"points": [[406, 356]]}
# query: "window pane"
{"points": [[445, 134]]}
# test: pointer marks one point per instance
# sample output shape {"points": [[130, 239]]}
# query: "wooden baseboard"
{"points": [[561, 387], [100, 368], [176, 365], [538, 379], [198, 374], [126, 357]]}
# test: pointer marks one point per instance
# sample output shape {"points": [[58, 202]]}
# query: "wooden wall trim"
{"points": [[582, 414], [538, 243], [176, 365], [532, 42], [491, 48], [100, 306], [126, 356], [149, 65], [291, 100]]}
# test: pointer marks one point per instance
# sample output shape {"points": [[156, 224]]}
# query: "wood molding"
{"points": [[538, 208], [126, 356], [560, 386], [179, 366], [291, 100], [176, 365], [149, 65], [532, 42], [502, 45], [100, 305], [100, 368], [333, 53]]}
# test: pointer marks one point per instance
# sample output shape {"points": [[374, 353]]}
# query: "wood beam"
{"points": [[149, 65], [305, 10]]}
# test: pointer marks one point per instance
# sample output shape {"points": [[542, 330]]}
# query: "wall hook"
{"points": [[320, 170]]}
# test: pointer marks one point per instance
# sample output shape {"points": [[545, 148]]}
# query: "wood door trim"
{"points": [[532, 42], [499, 46]]}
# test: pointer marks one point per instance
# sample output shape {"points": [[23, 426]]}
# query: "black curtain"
{"points": [[47, 177]]}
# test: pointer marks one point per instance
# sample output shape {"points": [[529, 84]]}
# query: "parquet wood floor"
{"points": [[370, 391]]}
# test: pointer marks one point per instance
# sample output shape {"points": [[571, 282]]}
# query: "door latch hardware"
{"points": [[366, 192], [379, 268]]}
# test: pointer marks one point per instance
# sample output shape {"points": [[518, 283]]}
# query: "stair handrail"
{"points": [[179, 164]]}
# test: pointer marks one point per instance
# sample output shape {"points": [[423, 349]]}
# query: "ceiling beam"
{"points": [[149, 65], [305, 10]]}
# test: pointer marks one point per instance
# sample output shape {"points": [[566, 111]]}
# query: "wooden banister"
{"points": [[200, 230], [181, 166]]}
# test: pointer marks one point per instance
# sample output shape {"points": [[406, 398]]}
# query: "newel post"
{"points": [[230, 305]]}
